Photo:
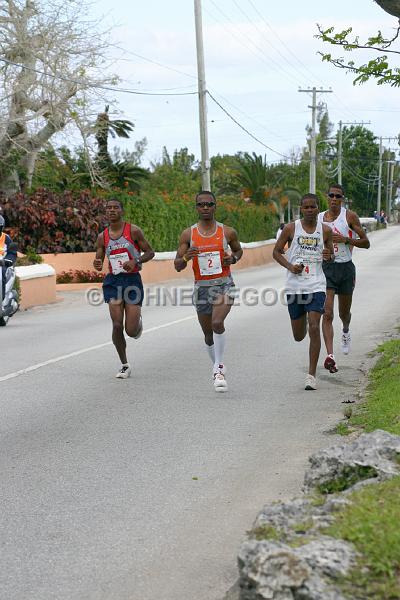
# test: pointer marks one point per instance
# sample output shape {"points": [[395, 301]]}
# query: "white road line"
{"points": [[84, 350]]}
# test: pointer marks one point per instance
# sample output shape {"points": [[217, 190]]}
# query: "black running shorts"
{"points": [[340, 277]]}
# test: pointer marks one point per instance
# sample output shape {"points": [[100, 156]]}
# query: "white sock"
{"points": [[219, 345], [211, 353]]}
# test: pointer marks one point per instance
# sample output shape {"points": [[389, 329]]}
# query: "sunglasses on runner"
{"points": [[335, 195], [205, 204]]}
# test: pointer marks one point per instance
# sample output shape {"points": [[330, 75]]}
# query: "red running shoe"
{"points": [[330, 364]]}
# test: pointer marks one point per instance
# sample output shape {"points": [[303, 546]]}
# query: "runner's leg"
{"points": [[221, 309], [299, 327], [206, 325], [345, 301], [132, 319], [327, 320], [116, 308], [314, 321]]}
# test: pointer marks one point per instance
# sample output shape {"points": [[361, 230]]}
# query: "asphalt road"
{"points": [[143, 489]]}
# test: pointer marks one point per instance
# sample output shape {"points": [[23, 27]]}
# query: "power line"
{"points": [[154, 62], [95, 86], [251, 118], [269, 43], [259, 52], [246, 130], [360, 177], [281, 41], [303, 65]]}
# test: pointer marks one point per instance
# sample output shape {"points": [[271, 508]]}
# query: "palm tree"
{"points": [[252, 175], [125, 174], [103, 128]]}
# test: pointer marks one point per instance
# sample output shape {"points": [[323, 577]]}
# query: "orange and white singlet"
{"points": [[208, 265]]}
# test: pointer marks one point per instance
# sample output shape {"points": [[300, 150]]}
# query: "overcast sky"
{"points": [[257, 54]]}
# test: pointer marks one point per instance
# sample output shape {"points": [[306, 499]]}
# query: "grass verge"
{"points": [[381, 410], [371, 524]]}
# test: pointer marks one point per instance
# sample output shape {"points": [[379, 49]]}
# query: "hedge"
{"points": [[47, 222]]}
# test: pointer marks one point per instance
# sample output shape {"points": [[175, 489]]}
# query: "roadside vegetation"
{"points": [[371, 521]]}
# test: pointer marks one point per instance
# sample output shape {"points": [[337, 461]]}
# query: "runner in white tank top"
{"points": [[340, 275], [310, 244]]}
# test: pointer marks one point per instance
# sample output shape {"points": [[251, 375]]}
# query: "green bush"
{"points": [[30, 258], [164, 217]]}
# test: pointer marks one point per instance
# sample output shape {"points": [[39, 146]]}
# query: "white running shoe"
{"points": [[346, 342], [220, 384], [311, 383], [124, 372], [140, 330]]}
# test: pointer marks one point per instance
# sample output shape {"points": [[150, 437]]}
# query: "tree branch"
{"points": [[392, 7]]}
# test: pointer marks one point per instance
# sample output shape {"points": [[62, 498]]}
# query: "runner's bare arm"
{"points": [[234, 244], [100, 253], [148, 252], [354, 223], [279, 249], [328, 252], [184, 252]]}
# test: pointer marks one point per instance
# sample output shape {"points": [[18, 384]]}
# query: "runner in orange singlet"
{"points": [[206, 244]]}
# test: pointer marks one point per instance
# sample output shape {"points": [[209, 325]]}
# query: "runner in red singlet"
{"points": [[123, 245]]}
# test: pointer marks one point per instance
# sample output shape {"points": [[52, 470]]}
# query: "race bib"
{"points": [[210, 263], [341, 251], [310, 267], [116, 262]]}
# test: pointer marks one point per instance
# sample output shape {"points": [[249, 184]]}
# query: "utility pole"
{"points": [[379, 198], [340, 146], [378, 201], [388, 163], [202, 90], [313, 140], [340, 154], [390, 192]]}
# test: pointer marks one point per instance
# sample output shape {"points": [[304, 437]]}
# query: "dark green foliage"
{"points": [[31, 258]]}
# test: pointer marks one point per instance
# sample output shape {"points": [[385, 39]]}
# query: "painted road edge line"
{"points": [[84, 351]]}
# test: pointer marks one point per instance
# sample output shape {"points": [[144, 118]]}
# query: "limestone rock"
{"points": [[274, 571], [370, 455], [270, 571]]}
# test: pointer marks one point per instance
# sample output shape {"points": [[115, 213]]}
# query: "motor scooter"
{"points": [[9, 304]]}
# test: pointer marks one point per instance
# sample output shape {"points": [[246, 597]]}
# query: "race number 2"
{"points": [[210, 263]]}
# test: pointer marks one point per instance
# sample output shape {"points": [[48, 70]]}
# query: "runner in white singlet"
{"points": [[341, 274], [310, 244]]}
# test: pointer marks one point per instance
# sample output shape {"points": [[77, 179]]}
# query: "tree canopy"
{"points": [[52, 66]]}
